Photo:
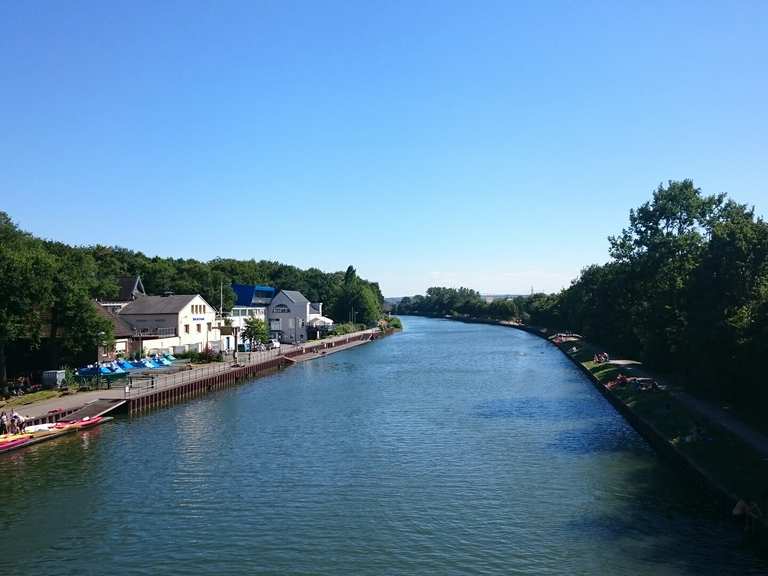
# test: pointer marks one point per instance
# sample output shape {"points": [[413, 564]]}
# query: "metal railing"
{"points": [[148, 382]]}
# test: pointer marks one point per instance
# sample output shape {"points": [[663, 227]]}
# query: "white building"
{"points": [[177, 323], [293, 318]]}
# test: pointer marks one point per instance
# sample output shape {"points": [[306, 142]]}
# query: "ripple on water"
{"points": [[448, 449]]}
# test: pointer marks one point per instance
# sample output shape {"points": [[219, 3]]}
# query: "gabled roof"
{"points": [[120, 327], [158, 304], [295, 296], [130, 288]]}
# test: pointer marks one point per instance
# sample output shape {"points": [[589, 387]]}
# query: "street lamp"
{"points": [[98, 360]]}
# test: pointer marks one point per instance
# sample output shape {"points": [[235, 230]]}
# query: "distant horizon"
{"points": [[439, 144]]}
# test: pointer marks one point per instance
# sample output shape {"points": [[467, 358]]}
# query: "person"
{"points": [[3, 423], [19, 422]]}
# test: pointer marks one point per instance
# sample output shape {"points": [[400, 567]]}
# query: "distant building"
{"points": [[290, 316], [124, 343], [177, 323], [251, 301], [130, 288]]}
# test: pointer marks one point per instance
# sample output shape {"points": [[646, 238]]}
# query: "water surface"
{"points": [[447, 449]]}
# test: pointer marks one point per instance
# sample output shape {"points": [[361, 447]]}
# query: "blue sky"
{"points": [[494, 145]]}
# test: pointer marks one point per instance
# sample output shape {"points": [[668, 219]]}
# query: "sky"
{"points": [[494, 145]]}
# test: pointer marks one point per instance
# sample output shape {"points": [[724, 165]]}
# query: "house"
{"points": [[251, 301], [289, 314], [124, 343], [130, 288], [317, 324], [177, 323]]}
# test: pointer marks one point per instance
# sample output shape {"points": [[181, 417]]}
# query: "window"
{"points": [[209, 326], [199, 328], [205, 309], [186, 328], [281, 309]]}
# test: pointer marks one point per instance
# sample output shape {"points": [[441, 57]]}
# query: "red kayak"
{"points": [[82, 423], [17, 443]]}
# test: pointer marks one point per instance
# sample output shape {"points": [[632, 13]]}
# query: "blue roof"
{"points": [[245, 293]]}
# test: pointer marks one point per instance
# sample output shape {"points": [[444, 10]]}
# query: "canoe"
{"points": [[82, 423], [17, 443]]}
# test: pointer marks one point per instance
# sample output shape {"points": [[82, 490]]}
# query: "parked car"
{"points": [[273, 344]]}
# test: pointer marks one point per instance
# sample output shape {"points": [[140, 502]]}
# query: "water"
{"points": [[447, 449]]}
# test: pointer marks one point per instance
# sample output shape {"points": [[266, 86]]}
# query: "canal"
{"points": [[447, 449]]}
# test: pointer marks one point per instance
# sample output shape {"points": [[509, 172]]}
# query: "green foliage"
{"points": [[255, 331], [204, 357], [357, 301], [686, 291], [394, 322], [441, 301], [26, 287], [347, 328]]}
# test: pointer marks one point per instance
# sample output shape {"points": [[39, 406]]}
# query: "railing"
{"points": [[156, 331], [138, 385]]}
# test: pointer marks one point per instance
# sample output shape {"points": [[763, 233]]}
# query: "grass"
{"points": [[721, 455], [29, 398]]}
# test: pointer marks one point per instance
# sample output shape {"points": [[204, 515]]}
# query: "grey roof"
{"points": [[130, 288], [157, 304], [295, 296], [120, 327]]}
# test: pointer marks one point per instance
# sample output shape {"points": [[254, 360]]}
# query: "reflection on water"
{"points": [[447, 449]]}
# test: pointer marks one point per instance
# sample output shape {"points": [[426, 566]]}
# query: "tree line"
{"points": [[685, 291], [441, 301], [47, 291]]}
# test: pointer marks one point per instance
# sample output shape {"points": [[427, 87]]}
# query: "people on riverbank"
{"points": [[601, 358], [13, 424]]}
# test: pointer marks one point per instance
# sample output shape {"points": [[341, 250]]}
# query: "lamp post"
{"points": [[98, 360]]}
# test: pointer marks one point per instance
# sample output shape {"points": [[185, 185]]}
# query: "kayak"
{"points": [[80, 424], [17, 443]]}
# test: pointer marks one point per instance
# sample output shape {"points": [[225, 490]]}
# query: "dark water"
{"points": [[447, 449]]}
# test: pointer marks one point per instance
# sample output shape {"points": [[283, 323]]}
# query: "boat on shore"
{"points": [[44, 432]]}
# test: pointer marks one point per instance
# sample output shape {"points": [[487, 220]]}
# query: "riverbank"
{"points": [[140, 390], [727, 459]]}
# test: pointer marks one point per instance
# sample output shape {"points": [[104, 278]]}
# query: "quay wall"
{"points": [[150, 400]]}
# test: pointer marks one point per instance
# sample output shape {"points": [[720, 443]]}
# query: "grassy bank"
{"points": [[736, 468]]}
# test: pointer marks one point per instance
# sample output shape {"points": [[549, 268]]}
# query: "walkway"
{"points": [[153, 381], [715, 414]]}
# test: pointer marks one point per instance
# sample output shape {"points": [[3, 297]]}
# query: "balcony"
{"points": [[155, 332]]}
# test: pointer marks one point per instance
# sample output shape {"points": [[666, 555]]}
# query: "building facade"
{"points": [[174, 323], [288, 314]]}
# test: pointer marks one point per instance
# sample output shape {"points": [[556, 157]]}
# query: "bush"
{"points": [[203, 357], [348, 328]]}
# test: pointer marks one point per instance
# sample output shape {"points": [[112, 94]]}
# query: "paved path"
{"points": [[724, 418], [710, 411], [168, 379]]}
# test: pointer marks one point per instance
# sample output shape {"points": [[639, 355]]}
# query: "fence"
{"points": [[152, 382]]}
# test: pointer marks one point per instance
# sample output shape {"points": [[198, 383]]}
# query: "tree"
{"points": [[255, 331], [26, 288]]}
